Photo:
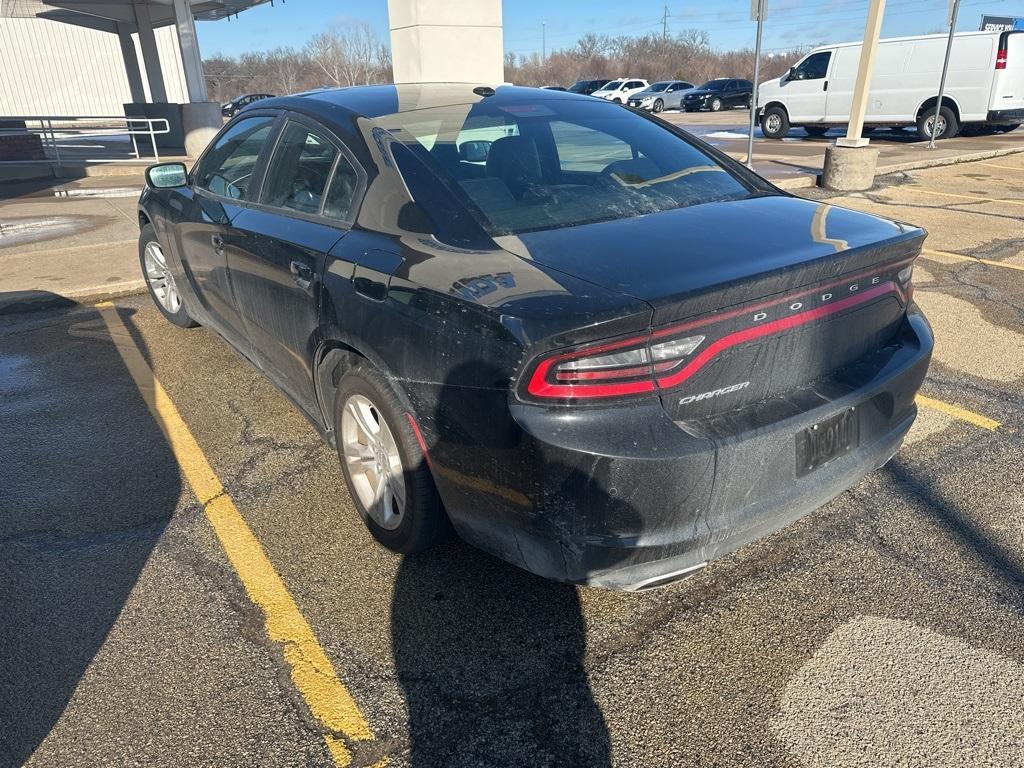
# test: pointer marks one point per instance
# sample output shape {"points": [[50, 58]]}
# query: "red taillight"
{"points": [[626, 367], [1001, 59], [665, 358]]}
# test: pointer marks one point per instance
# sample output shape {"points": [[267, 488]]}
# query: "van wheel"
{"points": [[947, 127], [774, 123], [816, 130], [716, 105], [384, 466]]}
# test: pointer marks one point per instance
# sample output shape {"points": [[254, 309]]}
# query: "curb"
{"points": [[17, 302], [807, 181]]}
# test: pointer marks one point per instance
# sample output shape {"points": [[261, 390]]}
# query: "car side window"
{"points": [[298, 172], [814, 67], [586, 149], [342, 190], [227, 169], [634, 84]]}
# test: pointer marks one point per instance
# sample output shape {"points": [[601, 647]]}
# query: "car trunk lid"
{"points": [[783, 291]]}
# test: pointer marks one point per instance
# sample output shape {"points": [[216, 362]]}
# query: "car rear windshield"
{"points": [[547, 164]]}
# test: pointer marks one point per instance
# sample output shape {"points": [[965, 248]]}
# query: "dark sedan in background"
{"points": [[587, 87], [236, 105], [593, 345], [720, 93]]}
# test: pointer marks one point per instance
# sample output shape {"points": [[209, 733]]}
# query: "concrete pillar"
{"points": [[862, 86], [849, 169], [188, 43], [150, 55], [131, 63], [456, 41]]}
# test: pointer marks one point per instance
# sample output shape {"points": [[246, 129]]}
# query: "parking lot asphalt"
{"points": [[886, 628]]}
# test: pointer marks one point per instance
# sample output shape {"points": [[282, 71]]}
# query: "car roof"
{"points": [[373, 101]]}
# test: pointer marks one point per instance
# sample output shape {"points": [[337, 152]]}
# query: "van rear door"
{"points": [[1008, 85]]}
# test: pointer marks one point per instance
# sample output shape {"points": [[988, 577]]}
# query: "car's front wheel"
{"points": [[658, 105], [716, 105], [384, 466], [160, 280]]}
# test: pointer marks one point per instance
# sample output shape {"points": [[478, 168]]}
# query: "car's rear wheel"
{"points": [[384, 467], [816, 130], [1009, 127], [160, 280], [716, 105], [774, 122], [945, 128], [658, 105]]}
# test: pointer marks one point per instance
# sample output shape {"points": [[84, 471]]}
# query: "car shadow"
{"points": [[87, 487], [491, 658]]}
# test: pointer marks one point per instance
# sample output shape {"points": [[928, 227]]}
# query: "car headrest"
{"points": [[514, 160]]}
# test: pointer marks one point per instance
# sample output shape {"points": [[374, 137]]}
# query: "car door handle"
{"points": [[218, 244], [824, 86], [302, 274]]}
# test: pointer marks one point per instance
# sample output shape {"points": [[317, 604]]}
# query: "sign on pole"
{"points": [[758, 9]]}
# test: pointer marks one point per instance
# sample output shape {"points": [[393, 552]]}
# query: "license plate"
{"points": [[819, 444]]}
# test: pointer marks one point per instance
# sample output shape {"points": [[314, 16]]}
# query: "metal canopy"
{"points": [[106, 14]]}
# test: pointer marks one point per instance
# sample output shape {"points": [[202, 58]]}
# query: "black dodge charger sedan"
{"points": [[581, 338]]}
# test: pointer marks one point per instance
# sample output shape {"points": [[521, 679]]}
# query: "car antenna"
{"points": [[483, 90]]}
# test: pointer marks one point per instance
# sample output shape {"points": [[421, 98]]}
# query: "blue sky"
{"points": [[790, 23]]}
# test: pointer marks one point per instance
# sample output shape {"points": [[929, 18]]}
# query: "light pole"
{"points": [[954, 8], [543, 41], [757, 11]]}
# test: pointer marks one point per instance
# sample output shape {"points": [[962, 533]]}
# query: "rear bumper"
{"points": [[625, 498], [1005, 116]]}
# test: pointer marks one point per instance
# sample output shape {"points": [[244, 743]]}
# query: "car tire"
{"points": [[1009, 128], [774, 122], [816, 130], [659, 105], [716, 105], [374, 428], [945, 115], [618, 101], [163, 288]]}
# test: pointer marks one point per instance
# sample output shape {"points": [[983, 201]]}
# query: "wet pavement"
{"points": [[886, 628]]}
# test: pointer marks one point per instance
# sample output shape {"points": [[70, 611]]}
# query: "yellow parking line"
{"points": [[1004, 167], [965, 197], [311, 671], [957, 412], [946, 254]]}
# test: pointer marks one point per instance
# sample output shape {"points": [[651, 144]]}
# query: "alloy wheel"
{"points": [[373, 462], [160, 279], [930, 126]]}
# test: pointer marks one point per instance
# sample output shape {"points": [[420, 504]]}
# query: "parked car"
{"points": [[984, 87], [720, 93], [234, 106], [552, 88], [587, 87], [489, 349], [620, 90], [666, 94]]}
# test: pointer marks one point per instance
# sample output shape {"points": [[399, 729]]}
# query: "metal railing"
{"points": [[60, 138]]}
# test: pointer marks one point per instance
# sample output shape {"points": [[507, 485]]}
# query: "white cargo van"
{"points": [[985, 86]]}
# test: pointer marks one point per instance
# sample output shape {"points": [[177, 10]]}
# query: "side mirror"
{"points": [[791, 75], [167, 175], [474, 151]]}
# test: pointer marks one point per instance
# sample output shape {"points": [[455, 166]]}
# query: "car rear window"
{"points": [[549, 164]]}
